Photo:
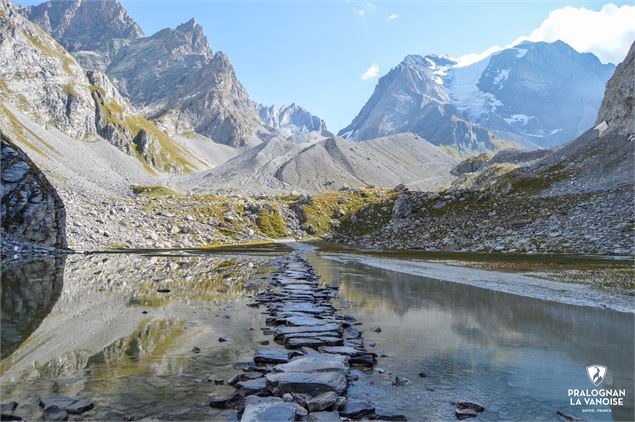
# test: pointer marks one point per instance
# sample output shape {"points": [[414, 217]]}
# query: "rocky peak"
{"points": [[85, 24], [618, 106], [194, 32], [292, 116]]}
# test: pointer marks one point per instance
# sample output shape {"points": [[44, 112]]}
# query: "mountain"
{"points": [[171, 76], [282, 166], [533, 94], [292, 116], [411, 98], [66, 118], [601, 159], [68, 20]]}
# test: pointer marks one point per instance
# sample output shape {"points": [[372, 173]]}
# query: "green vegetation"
{"points": [[545, 179], [152, 190], [168, 157], [271, 223], [330, 209]]}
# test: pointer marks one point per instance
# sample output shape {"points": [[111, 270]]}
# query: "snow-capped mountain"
{"points": [[535, 94]]}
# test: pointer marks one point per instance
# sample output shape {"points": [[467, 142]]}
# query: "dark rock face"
{"points": [[31, 209], [618, 106]]}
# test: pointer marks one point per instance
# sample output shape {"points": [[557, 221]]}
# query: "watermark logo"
{"points": [[596, 400], [596, 373]]}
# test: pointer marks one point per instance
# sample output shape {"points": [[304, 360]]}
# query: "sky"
{"points": [[326, 55]]}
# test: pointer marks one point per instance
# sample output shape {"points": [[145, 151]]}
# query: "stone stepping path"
{"points": [[308, 377]]}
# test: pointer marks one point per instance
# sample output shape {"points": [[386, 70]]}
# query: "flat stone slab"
{"points": [[305, 321], [314, 363], [270, 355], [313, 383], [285, 330], [322, 417], [253, 386], [269, 411], [314, 341], [67, 404], [345, 350], [322, 401], [356, 408]]}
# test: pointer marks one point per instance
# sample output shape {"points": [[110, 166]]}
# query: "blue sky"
{"points": [[314, 53]]}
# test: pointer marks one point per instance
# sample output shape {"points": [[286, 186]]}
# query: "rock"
{"points": [[470, 405], [376, 329], [68, 404], [163, 290], [54, 413], [252, 375], [308, 382], [314, 363], [322, 401], [8, 407], [423, 374], [568, 417], [223, 339], [264, 343], [400, 381], [8, 417], [269, 411], [402, 207], [464, 413], [470, 165], [287, 397], [357, 408], [322, 417], [31, 209], [196, 349], [222, 401], [271, 356], [234, 380], [252, 386], [79, 407]]}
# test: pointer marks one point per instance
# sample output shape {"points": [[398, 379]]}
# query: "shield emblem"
{"points": [[596, 373]]}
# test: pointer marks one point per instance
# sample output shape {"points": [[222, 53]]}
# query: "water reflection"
{"points": [[98, 327], [516, 354], [29, 291], [122, 329]]}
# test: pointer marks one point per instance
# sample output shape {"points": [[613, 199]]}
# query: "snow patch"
{"points": [[502, 76], [520, 52], [516, 119], [465, 93]]}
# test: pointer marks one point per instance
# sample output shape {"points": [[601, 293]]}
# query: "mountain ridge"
{"points": [[503, 94]]}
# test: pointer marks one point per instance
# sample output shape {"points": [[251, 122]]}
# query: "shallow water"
{"points": [[77, 326]]}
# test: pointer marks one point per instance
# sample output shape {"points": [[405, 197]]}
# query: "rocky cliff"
{"points": [[618, 106], [31, 210], [172, 75]]}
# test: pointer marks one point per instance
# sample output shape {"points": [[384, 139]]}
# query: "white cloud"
{"points": [[608, 33], [392, 18], [361, 7], [371, 72]]}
